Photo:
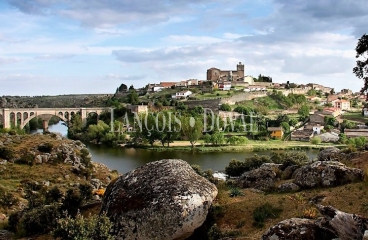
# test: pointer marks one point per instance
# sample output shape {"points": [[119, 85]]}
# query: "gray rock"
{"points": [[38, 159], [1, 143], [164, 199], [297, 228], [262, 178], [288, 187], [329, 154], [326, 174], [5, 235], [96, 183], [289, 171]]}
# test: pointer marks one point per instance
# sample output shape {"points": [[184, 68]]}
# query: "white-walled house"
{"points": [[182, 94], [157, 89]]}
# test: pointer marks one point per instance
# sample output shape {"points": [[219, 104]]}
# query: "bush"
{"points": [[214, 233], [6, 153], [225, 107], [261, 213], [45, 147], [72, 202], [38, 220], [255, 161], [235, 168], [7, 199], [235, 191], [289, 158], [316, 140], [94, 227]]}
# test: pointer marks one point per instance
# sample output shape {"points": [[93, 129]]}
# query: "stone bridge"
{"points": [[19, 117]]}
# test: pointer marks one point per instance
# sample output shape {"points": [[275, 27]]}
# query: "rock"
{"points": [[326, 174], [38, 159], [333, 225], [66, 176], [5, 235], [297, 228], [164, 199], [3, 162], [365, 236], [289, 171], [329, 154], [262, 178], [96, 183], [1, 143], [2, 217], [288, 187], [347, 226]]}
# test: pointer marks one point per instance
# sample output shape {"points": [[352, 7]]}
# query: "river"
{"points": [[126, 159]]}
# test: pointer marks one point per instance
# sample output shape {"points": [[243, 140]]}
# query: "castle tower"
{"points": [[240, 70]]}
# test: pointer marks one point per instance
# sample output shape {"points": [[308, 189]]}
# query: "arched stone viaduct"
{"points": [[21, 116]]}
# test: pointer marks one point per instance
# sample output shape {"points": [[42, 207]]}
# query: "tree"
{"points": [[191, 128], [304, 111], [75, 126], [133, 97], [361, 69]]}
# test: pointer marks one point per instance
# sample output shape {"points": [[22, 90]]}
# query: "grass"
{"points": [[251, 145], [355, 116]]}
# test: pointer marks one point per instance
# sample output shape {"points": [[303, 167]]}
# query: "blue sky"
{"points": [[50, 47]]}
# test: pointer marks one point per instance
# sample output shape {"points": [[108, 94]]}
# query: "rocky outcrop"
{"points": [[288, 187], [326, 174], [165, 199], [333, 225], [262, 178], [297, 228], [329, 154]]}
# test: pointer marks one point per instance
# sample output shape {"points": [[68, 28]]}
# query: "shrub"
{"points": [[255, 161], [72, 202], [197, 169], [214, 233], [94, 227], [235, 191], [45, 147], [7, 199], [235, 168], [316, 140], [39, 220], [261, 213], [289, 158], [6, 153]]}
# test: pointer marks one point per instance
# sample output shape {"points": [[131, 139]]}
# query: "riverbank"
{"points": [[251, 146]]}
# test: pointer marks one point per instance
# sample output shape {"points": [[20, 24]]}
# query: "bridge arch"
{"points": [[24, 123]]}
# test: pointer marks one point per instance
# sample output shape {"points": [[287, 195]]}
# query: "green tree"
{"points": [[132, 97], [97, 131], [361, 68], [75, 126], [191, 129], [217, 138], [304, 111]]}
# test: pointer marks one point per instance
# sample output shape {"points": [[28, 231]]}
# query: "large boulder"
{"points": [[262, 178], [333, 225], [329, 154], [297, 228], [165, 199], [326, 174]]}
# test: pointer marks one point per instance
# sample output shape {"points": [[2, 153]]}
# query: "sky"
{"points": [[53, 47]]}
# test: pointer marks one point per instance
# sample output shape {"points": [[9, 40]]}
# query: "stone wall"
{"points": [[244, 96], [212, 104]]}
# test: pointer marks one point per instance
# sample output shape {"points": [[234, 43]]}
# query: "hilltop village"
{"points": [[230, 93]]}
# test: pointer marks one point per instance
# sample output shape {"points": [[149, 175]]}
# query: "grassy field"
{"points": [[355, 116]]}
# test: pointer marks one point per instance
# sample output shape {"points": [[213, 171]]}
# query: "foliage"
{"points": [[225, 107], [288, 158], [361, 68], [81, 228], [235, 168], [7, 199], [358, 142], [6, 153], [263, 212], [214, 233], [242, 109], [39, 220], [237, 140], [330, 120], [235, 191], [72, 202], [132, 97], [45, 147], [191, 128], [304, 111], [75, 126], [97, 132], [316, 140]]}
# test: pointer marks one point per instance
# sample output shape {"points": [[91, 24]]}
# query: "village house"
{"points": [[137, 108], [225, 86], [317, 118], [302, 135], [167, 84], [351, 133], [332, 111], [346, 91], [341, 104], [181, 94], [276, 132]]}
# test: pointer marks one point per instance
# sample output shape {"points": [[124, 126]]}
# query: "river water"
{"points": [[126, 159]]}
